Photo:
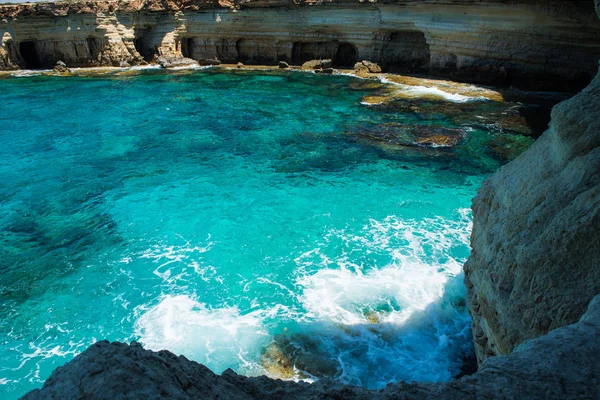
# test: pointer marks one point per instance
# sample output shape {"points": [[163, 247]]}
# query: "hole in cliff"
{"points": [[405, 50], [94, 45], [29, 54], [144, 44], [253, 50], [342, 54], [187, 47], [306, 51], [346, 55]]}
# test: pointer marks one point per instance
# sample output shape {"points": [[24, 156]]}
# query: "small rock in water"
{"points": [[283, 65], [61, 67], [240, 65]]}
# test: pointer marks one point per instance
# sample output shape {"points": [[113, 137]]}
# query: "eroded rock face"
{"points": [[480, 41], [559, 365], [535, 263]]}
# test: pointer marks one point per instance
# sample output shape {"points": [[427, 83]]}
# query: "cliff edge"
{"points": [[535, 261]]}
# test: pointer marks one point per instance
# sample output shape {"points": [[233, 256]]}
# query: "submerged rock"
{"points": [[403, 135], [297, 356]]}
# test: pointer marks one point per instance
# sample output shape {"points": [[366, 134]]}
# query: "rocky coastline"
{"points": [[533, 277], [534, 45]]}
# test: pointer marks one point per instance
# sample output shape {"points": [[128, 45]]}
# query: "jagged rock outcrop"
{"points": [[560, 365], [535, 263], [530, 43]]}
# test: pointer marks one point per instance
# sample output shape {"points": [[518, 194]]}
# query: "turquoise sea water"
{"points": [[221, 214]]}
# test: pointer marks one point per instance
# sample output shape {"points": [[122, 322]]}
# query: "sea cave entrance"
{"points": [[144, 44], [187, 47], [346, 55], [406, 50], [342, 54], [30, 55]]}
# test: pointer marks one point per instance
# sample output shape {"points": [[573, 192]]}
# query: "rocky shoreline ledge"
{"points": [[560, 365]]}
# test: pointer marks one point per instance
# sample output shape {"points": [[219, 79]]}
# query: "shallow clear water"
{"points": [[213, 214]]}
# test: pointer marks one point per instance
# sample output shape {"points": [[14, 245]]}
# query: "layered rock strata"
{"points": [[560, 365], [533, 44]]}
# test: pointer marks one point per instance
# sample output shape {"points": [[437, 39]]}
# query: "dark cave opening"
{"points": [[346, 55], [30, 55], [144, 44], [187, 47], [405, 50]]}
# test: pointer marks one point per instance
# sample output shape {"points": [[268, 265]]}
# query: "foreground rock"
{"points": [[536, 238], [560, 365]]}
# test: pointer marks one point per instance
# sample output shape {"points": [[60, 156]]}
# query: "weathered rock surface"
{"points": [[366, 66], [176, 62], [535, 263], [61, 67], [317, 64], [529, 43], [560, 365]]}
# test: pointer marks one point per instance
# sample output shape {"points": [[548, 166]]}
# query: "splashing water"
{"points": [[224, 216]]}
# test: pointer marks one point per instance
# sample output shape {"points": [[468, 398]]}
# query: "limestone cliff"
{"points": [[535, 262], [530, 43]]}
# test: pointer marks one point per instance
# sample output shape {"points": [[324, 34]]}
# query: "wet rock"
{"points": [[365, 66], [438, 140], [283, 65], [174, 62], [560, 365], [317, 64], [297, 355], [405, 135], [324, 71], [240, 65], [209, 61], [61, 68]]}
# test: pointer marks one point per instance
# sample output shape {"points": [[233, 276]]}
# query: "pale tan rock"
{"points": [[535, 263], [471, 40]]}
